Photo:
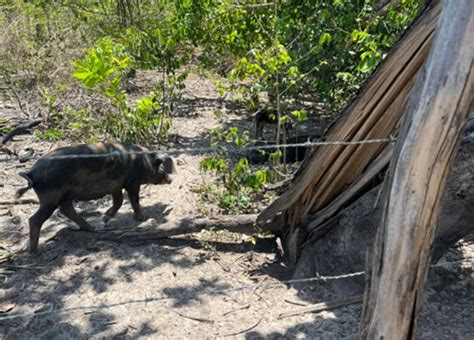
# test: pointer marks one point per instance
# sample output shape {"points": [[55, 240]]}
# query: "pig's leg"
{"points": [[118, 200], [134, 195], [67, 209], [36, 221]]}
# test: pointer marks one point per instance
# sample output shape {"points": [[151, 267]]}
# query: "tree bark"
{"points": [[435, 116], [340, 245]]}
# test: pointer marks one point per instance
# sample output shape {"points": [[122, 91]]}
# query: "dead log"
{"points": [[235, 223], [434, 120]]}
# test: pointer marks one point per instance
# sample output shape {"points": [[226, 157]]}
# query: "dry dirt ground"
{"points": [[206, 285]]}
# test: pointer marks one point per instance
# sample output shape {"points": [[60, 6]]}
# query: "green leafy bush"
{"points": [[102, 70], [237, 183], [322, 50]]}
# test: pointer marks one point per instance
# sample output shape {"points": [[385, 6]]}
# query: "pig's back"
{"points": [[83, 176]]}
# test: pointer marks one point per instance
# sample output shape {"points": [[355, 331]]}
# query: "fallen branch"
{"points": [[5, 213], [319, 307], [7, 151], [279, 187], [245, 330], [21, 130], [234, 223], [246, 306], [190, 317], [8, 256], [295, 303]]}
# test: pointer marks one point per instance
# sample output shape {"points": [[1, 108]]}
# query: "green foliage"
{"points": [[325, 49], [50, 135], [67, 122], [301, 115], [104, 63], [330, 36], [238, 182], [147, 43], [102, 70], [127, 35], [4, 127], [269, 70], [320, 49], [351, 39], [38, 39]]}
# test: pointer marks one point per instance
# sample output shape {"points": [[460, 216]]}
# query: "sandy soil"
{"points": [[180, 287]]}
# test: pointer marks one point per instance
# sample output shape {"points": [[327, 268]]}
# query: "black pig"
{"points": [[58, 181], [268, 116]]}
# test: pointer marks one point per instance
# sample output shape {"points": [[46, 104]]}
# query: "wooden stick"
{"points": [[190, 317], [244, 330], [322, 306]]}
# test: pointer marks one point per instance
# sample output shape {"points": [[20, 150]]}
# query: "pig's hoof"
{"points": [[141, 218], [106, 218]]}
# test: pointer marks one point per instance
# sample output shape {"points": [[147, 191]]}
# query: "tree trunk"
{"points": [[433, 123], [340, 245], [329, 212]]}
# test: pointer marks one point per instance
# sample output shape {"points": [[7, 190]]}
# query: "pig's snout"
{"points": [[168, 179], [163, 178]]}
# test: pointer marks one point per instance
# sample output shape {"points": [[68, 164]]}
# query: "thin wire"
{"points": [[210, 149], [316, 278], [52, 311]]}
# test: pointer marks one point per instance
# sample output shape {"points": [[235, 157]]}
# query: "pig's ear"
{"points": [[167, 162], [159, 164]]}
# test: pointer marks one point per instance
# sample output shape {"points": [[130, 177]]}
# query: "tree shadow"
{"points": [[36, 283], [74, 262], [189, 107], [87, 265], [315, 123], [335, 325]]}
